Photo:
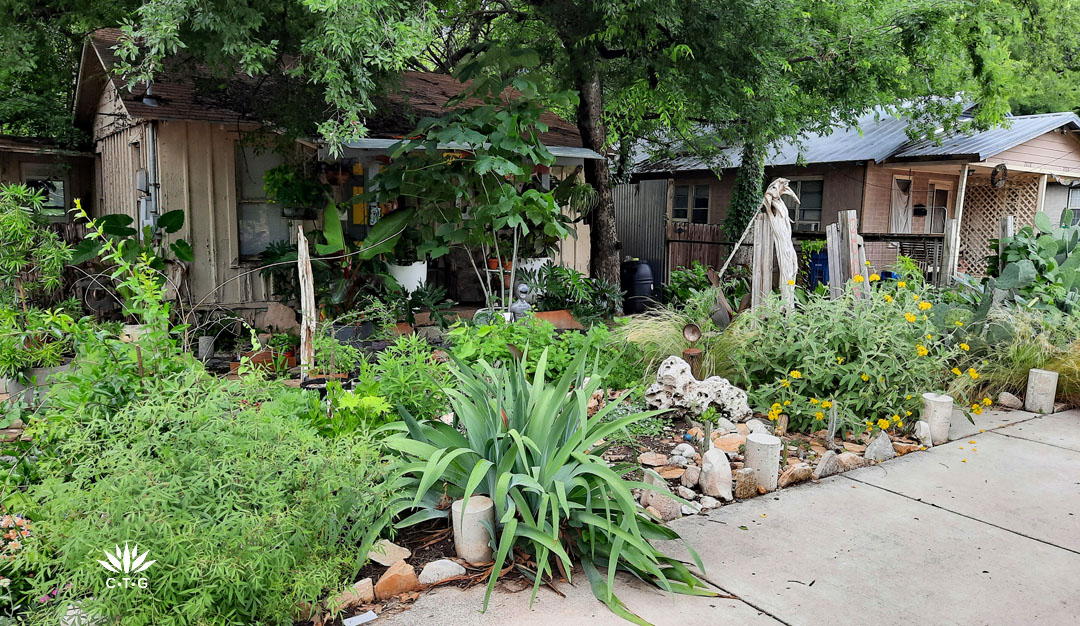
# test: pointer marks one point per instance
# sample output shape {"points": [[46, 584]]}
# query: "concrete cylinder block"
{"points": [[472, 540], [763, 455], [1041, 391], [937, 411]]}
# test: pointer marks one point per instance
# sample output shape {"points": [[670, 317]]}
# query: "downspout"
{"points": [[150, 203]]}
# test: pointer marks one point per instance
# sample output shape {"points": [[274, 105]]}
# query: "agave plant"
{"points": [[532, 448]]}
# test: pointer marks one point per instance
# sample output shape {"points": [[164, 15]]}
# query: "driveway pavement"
{"points": [[984, 530]]}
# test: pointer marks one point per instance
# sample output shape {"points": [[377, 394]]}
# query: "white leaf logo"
{"points": [[126, 561]]}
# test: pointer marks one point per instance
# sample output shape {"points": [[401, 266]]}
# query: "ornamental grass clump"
{"points": [[870, 358], [530, 446]]}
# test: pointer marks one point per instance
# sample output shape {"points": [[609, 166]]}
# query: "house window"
{"points": [[691, 204], [1074, 204], [937, 208], [808, 214], [260, 222], [52, 185]]}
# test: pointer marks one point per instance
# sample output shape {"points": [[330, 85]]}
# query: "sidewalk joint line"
{"points": [[981, 521], [1052, 445]]}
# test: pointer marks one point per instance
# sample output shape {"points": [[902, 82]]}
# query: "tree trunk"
{"points": [[603, 240]]}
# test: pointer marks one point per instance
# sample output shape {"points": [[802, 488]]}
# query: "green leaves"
{"points": [[1017, 275], [524, 446]]}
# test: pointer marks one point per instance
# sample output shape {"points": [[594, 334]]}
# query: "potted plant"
{"points": [[569, 299], [297, 193], [408, 267]]}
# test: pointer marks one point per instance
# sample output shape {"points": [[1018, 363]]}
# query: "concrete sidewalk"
{"points": [[982, 530]]}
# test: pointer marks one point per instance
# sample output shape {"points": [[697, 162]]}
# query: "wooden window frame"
{"points": [[933, 186], [691, 191], [797, 188]]}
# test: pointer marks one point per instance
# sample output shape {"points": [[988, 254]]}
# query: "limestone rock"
{"points": [[384, 552], [670, 472], [685, 493], [400, 578], [690, 509], [745, 483], [850, 460], [437, 571], [724, 425], [654, 459], [677, 389], [923, 434], [880, 449], [668, 508], [795, 474], [1009, 401], [677, 460], [730, 442], [904, 448], [757, 426], [828, 465], [653, 512], [709, 502], [365, 590], [690, 476], [684, 450], [742, 429], [715, 479]]}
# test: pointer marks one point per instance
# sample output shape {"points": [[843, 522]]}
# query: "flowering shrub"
{"points": [[870, 358]]}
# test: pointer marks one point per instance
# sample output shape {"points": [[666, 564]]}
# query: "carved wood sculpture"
{"points": [[772, 236], [307, 306]]}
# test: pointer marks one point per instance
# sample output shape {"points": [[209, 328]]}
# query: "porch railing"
{"points": [[882, 250]]}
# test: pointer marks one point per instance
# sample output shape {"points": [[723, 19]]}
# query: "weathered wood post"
{"points": [[836, 275], [951, 254], [761, 277], [852, 254], [307, 305]]}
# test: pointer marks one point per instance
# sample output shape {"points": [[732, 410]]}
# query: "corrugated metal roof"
{"points": [[987, 143], [876, 137], [376, 143]]}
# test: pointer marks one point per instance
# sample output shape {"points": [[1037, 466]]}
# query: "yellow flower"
{"points": [[924, 318], [826, 405], [869, 424], [907, 414], [900, 424], [773, 416], [775, 406], [888, 298], [987, 401], [874, 277], [787, 402], [883, 423], [910, 317], [785, 383], [915, 297], [858, 278], [813, 400], [976, 409], [867, 263], [924, 305], [921, 349], [791, 282], [795, 374], [865, 378], [956, 370], [839, 360], [958, 323], [819, 416], [965, 347], [908, 397], [973, 374], [901, 284], [929, 336]]}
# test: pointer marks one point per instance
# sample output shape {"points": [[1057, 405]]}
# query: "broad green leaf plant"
{"points": [[531, 447], [1040, 266]]}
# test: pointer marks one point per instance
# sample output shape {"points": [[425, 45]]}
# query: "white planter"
{"points": [[410, 277], [472, 539], [937, 412]]}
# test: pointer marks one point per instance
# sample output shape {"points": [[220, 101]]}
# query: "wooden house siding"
{"points": [[1054, 150]]}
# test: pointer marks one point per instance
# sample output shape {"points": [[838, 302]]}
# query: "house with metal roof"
{"points": [[192, 140], [907, 193]]}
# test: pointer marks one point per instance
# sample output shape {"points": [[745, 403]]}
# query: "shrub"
{"points": [[245, 508], [32, 257], [1040, 266], [590, 300], [686, 280], [528, 445], [497, 342], [407, 373], [870, 359]]}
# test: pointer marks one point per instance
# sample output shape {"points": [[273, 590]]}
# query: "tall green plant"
{"points": [[531, 447], [1040, 266], [32, 257]]}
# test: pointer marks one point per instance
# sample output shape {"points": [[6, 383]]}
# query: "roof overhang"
{"points": [[376, 143]]}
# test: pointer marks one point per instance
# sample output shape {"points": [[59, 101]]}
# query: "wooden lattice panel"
{"points": [[984, 206]]}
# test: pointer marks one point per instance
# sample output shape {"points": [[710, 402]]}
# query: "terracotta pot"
{"points": [[493, 264], [562, 319]]}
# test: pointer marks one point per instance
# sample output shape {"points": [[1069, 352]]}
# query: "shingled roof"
{"points": [[189, 92]]}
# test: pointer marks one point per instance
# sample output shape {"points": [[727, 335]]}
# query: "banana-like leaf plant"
{"points": [[533, 449]]}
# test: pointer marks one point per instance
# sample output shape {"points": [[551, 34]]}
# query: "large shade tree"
{"points": [[704, 75]]}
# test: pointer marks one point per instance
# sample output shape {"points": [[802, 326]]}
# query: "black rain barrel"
{"points": [[637, 282]]}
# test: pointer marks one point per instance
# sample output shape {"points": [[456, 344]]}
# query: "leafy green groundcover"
{"points": [[246, 510]]}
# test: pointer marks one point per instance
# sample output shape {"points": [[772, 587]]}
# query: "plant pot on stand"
{"points": [[411, 277]]}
